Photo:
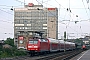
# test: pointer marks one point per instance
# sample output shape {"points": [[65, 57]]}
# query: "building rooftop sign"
{"points": [[51, 8], [20, 38], [30, 4]]}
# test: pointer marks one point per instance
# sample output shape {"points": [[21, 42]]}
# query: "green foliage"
{"points": [[10, 41], [1, 48], [6, 52], [10, 52]]}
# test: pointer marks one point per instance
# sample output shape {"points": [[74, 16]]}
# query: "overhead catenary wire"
{"points": [[6, 29], [88, 5], [9, 6], [44, 6], [9, 22], [6, 12], [85, 8], [21, 1], [51, 13], [69, 7], [61, 8], [72, 21], [63, 18], [6, 21], [72, 8]]}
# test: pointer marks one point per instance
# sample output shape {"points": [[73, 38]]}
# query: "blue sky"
{"points": [[66, 18]]}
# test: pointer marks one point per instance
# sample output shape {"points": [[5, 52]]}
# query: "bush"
{"points": [[10, 52], [6, 52]]}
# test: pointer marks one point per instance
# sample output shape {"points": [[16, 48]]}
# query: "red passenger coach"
{"points": [[54, 44]]}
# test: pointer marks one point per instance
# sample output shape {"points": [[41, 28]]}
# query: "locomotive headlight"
{"points": [[35, 46], [29, 46]]}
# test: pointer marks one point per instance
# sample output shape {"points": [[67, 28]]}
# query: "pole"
{"points": [[64, 40], [24, 2]]}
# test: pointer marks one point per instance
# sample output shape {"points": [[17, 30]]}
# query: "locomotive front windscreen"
{"points": [[33, 41]]}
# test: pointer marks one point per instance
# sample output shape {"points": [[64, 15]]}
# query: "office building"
{"points": [[34, 21]]}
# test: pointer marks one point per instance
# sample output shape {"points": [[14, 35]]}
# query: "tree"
{"points": [[10, 41]]}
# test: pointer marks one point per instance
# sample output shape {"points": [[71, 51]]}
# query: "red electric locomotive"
{"points": [[37, 45]]}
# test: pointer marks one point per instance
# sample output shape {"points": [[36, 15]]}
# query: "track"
{"points": [[61, 56], [53, 56]]}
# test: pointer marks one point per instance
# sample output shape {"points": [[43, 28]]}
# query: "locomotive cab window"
{"points": [[33, 41]]}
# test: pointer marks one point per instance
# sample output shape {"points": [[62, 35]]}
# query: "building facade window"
{"points": [[44, 27]]}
